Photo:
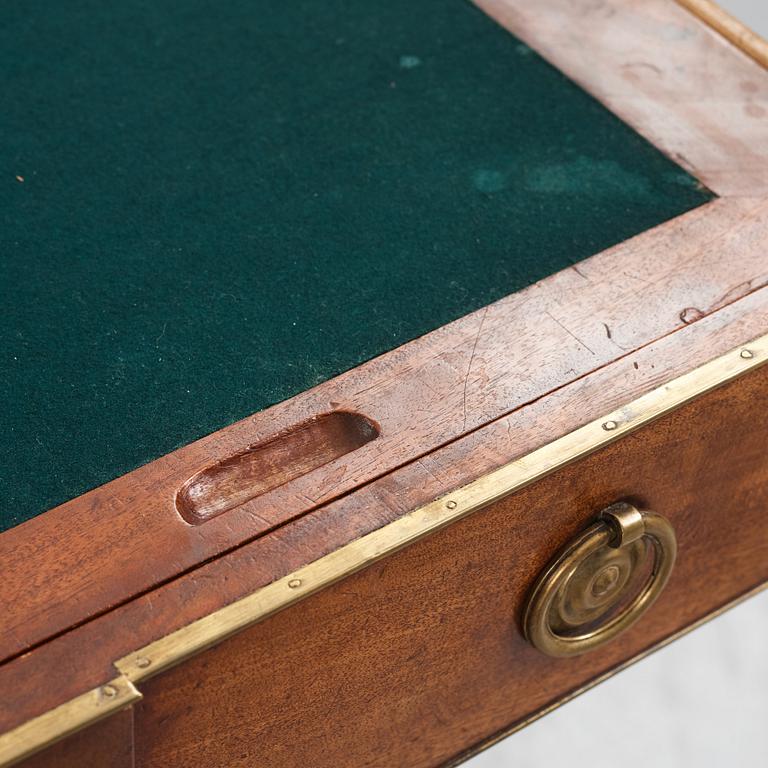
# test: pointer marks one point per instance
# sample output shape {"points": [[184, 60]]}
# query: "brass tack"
{"points": [[109, 690], [143, 662], [451, 504], [609, 426], [747, 354], [294, 583]]}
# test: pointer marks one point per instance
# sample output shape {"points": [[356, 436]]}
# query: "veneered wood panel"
{"points": [[100, 550], [421, 656], [106, 744]]}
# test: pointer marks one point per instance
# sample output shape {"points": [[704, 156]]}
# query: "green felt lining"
{"points": [[221, 204]]}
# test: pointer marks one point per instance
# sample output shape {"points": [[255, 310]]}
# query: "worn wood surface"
{"points": [[106, 744], [270, 463], [126, 537], [421, 655], [47, 677], [665, 72]]}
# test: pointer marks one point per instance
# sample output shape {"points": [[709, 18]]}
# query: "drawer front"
{"points": [[106, 744], [420, 657]]}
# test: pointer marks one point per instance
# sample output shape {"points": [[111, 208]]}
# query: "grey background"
{"points": [[753, 13], [701, 701]]}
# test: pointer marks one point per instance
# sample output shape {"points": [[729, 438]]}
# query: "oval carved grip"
{"points": [[601, 583], [273, 462]]}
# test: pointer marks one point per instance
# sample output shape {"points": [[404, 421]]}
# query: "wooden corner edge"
{"points": [[730, 28]]}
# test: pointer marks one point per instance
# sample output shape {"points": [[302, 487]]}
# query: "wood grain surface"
{"points": [[55, 673], [669, 75], [106, 744], [421, 655], [107, 546]]}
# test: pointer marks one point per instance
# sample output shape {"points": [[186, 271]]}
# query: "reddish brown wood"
{"points": [[44, 678], [268, 464], [106, 744], [124, 538], [420, 656], [665, 72]]}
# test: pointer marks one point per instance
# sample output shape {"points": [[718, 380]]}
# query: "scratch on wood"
{"points": [[693, 314], [579, 272], [740, 291], [570, 333], [430, 472], [469, 367]]}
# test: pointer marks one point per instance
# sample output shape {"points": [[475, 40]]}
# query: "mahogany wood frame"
{"points": [[357, 679], [116, 568]]}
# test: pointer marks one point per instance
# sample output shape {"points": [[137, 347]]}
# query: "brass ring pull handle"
{"points": [[601, 583]]}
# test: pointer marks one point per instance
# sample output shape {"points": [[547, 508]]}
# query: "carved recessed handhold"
{"points": [[271, 463]]}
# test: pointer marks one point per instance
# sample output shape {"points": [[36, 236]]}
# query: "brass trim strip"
{"points": [[212, 629], [518, 726], [217, 626], [60, 722], [730, 28]]}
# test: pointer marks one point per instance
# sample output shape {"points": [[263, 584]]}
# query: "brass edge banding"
{"points": [[217, 626], [56, 724], [266, 601], [730, 28], [525, 722]]}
